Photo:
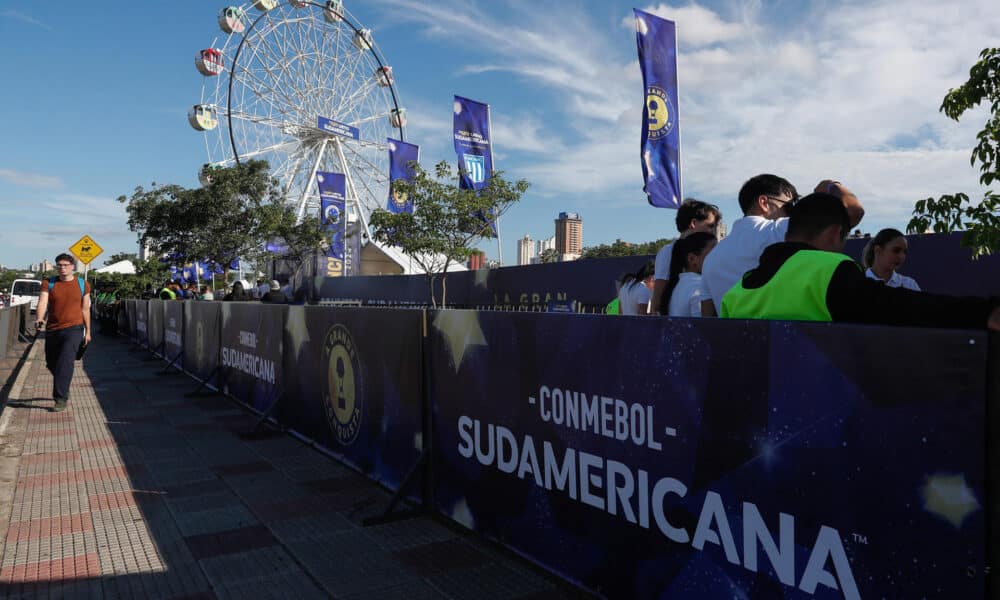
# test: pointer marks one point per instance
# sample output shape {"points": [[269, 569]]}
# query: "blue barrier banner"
{"points": [[656, 39], [333, 216], [173, 331], [357, 385], [130, 320], [202, 322], [250, 354], [688, 458], [141, 322], [401, 155], [154, 325]]}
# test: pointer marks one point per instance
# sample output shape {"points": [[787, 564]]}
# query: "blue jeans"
{"points": [[60, 354]]}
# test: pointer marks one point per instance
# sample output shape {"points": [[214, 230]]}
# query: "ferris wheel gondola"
{"points": [[290, 68]]}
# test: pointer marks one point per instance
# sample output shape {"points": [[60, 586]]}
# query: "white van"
{"points": [[25, 290]]}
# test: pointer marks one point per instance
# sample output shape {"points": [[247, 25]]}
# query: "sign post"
{"points": [[86, 250]]}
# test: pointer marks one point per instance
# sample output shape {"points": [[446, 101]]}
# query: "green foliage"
{"points": [[231, 218], [549, 255], [980, 220], [444, 227], [149, 275], [120, 256], [620, 248]]}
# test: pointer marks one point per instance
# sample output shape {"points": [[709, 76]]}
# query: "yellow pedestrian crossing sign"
{"points": [[86, 249]]}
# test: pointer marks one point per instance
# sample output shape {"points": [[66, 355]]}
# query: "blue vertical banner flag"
{"points": [[474, 147], [661, 136], [332, 190], [401, 155]]}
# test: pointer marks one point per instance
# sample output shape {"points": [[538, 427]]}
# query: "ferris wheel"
{"points": [[302, 85]]}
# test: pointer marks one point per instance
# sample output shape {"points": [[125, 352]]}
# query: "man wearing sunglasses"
{"points": [[764, 200], [65, 300]]}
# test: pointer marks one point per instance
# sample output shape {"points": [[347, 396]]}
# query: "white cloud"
{"points": [[849, 91], [19, 16], [697, 26], [30, 179]]}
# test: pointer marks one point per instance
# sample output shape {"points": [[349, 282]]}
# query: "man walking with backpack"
{"points": [[66, 302]]}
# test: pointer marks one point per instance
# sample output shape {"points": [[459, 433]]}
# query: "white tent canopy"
{"points": [[122, 266]]}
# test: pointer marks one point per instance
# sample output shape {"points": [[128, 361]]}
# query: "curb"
{"points": [[15, 390]]}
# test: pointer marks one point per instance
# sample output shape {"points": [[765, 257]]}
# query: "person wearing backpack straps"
{"points": [[65, 301]]}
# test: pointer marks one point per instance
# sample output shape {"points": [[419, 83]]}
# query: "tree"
{"points": [[232, 217], [445, 223], [620, 248], [549, 255], [981, 221], [149, 274], [120, 256]]}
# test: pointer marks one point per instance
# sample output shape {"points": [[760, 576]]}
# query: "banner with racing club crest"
{"points": [[333, 215], [661, 136], [401, 155], [474, 147]]}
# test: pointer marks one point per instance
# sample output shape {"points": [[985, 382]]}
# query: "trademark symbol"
{"points": [[860, 539]]}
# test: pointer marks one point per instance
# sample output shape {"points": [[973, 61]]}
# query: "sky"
{"points": [[93, 103]]}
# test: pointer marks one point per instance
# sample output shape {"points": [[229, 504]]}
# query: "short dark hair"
{"points": [[764, 184], [694, 209], [811, 215], [66, 257]]}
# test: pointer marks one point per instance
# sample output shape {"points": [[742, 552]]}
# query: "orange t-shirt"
{"points": [[65, 304]]}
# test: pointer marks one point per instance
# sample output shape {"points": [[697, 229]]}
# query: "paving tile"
{"points": [[488, 582], [401, 535], [439, 557], [253, 565], [231, 541], [290, 584], [345, 567], [215, 520]]}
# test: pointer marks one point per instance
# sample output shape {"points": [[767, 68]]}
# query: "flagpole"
{"points": [[493, 161], [680, 154]]}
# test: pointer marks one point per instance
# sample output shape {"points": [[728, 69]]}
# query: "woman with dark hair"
{"points": [[237, 295], [885, 253], [682, 296], [635, 289]]}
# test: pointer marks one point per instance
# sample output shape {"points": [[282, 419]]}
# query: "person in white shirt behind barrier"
{"points": [[634, 291], [885, 253], [763, 199], [692, 216], [683, 295]]}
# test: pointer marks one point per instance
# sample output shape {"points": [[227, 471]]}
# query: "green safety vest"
{"points": [[797, 292], [170, 292]]}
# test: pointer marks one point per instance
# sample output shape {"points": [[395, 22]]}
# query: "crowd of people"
{"points": [[266, 292], [784, 260]]}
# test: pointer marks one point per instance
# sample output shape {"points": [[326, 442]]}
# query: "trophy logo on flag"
{"points": [[659, 112]]}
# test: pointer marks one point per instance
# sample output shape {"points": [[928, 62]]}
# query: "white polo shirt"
{"points": [[686, 299], [631, 295], [662, 266], [896, 280], [737, 253]]}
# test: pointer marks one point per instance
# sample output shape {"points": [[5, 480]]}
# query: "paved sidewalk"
{"points": [[137, 491]]}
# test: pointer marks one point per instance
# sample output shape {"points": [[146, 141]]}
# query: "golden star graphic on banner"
{"points": [[949, 497], [461, 330], [295, 325], [482, 277]]}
